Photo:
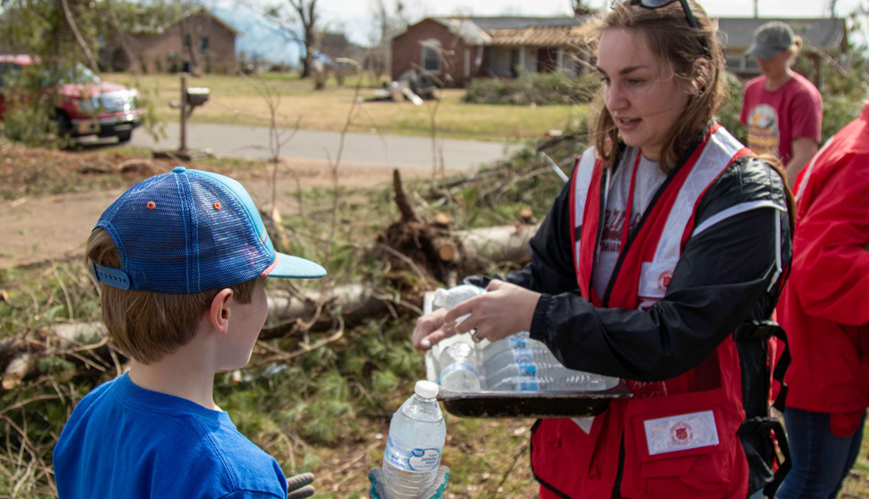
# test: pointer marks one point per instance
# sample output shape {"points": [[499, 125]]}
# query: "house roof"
{"points": [[738, 32], [156, 26], [529, 31], [547, 36], [491, 23]]}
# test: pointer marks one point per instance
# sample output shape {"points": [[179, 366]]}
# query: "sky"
{"points": [[356, 17]]}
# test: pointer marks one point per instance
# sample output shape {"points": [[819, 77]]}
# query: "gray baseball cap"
{"points": [[770, 39]]}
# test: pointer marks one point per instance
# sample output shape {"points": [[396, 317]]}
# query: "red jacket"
{"points": [[825, 305]]}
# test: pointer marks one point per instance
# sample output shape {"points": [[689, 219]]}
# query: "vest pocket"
{"points": [[679, 446]]}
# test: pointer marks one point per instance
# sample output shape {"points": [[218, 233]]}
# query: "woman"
{"points": [[782, 109], [670, 236], [825, 309]]}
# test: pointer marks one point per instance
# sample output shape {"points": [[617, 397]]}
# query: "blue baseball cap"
{"points": [[190, 231]]}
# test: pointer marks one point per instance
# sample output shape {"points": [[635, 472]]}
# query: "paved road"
{"points": [[359, 148]]}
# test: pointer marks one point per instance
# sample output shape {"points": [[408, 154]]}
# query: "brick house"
{"points": [[457, 50], [336, 45], [195, 41], [827, 35]]}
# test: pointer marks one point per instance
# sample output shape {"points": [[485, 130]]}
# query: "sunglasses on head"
{"points": [[657, 4]]}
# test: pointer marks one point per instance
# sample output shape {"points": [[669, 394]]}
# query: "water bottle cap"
{"points": [[426, 389]]}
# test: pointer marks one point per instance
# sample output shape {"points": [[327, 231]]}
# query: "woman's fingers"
{"points": [[435, 337], [464, 308], [495, 284], [426, 325]]}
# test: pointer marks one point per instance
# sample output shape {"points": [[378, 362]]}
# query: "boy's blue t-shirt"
{"points": [[123, 441]]}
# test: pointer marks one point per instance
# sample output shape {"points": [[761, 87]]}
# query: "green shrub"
{"points": [[728, 113], [537, 88]]}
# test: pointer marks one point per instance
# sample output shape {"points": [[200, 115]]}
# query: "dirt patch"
{"points": [[50, 200]]}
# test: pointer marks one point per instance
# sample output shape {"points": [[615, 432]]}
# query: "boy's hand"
{"points": [[436, 491], [299, 486]]}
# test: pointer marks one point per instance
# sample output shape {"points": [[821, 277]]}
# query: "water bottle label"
{"points": [[457, 366], [528, 378], [517, 343], [523, 356], [412, 459]]}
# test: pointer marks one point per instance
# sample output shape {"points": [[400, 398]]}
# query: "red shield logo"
{"points": [[681, 433], [664, 279]]}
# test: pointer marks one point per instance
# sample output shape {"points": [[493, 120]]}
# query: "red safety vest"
{"points": [[677, 438]]}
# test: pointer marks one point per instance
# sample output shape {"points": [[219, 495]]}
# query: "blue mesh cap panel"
{"points": [[284, 265], [230, 250], [152, 242], [184, 244], [190, 231]]}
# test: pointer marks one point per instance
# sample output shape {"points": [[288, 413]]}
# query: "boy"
{"points": [[182, 259]]}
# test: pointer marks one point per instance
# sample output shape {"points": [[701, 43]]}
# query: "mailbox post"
{"points": [[191, 97]]}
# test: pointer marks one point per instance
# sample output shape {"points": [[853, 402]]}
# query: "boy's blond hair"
{"points": [[148, 325]]}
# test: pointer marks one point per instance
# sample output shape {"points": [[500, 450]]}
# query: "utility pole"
{"points": [[756, 15]]}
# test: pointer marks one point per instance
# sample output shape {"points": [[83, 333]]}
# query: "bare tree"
{"points": [[305, 13], [385, 25], [582, 8]]}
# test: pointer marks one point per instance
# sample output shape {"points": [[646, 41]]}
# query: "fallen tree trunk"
{"points": [[291, 312], [503, 243], [462, 252]]}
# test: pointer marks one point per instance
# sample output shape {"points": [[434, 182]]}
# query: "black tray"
{"points": [[530, 404]]}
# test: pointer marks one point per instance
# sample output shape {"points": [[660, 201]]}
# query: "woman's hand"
{"points": [[431, 329], [505, 310]]}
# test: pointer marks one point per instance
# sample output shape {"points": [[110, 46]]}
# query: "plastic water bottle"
{"points": [[571, 380], [449, 298], [535, 355], [458, 362], [519, 363], [416, 440], [459, 366], [518, 341]]}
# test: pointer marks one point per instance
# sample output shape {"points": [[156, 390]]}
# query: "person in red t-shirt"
{"points": [[781, 108]]}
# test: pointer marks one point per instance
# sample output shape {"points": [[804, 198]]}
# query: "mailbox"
{"points": [[197, 96]]}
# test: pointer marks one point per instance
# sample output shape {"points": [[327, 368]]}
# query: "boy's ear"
{"points": [[218, 314]]}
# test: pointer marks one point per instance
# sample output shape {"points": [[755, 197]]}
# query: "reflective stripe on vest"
{"points": [[720, 150]]}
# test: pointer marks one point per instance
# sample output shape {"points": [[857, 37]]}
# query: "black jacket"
{"points": [[721, 281]]}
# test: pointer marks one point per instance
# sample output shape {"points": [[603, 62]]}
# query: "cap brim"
{"points": [[294, 267], [762, 52]]}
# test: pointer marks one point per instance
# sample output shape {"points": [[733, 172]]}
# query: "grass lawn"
{"points": [[236, 100], [857, 483]]}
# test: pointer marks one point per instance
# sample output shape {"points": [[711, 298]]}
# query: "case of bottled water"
{"points": [[514, 364], [416, 440]]}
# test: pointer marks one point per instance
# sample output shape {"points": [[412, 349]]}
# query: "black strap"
{"points": [[763, 331], [780, 368], [765, 425]]}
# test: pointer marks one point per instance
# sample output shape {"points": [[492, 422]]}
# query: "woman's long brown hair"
{"points": [[679, 45]]}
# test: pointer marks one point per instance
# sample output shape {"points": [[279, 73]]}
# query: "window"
{"points": [[203, 44], [431, 60], [734, 61]]}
